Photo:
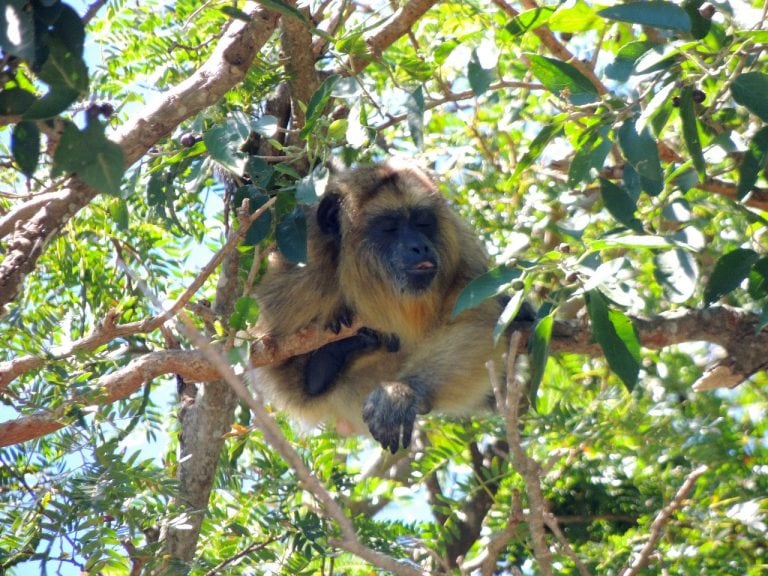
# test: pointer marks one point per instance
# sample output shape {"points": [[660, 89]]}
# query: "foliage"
{"points": [[613, 158]]}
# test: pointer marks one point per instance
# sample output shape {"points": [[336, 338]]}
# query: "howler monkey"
{"points": [[385, 249]]}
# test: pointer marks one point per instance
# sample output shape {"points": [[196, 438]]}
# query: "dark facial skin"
{"points": [[405, 243]]}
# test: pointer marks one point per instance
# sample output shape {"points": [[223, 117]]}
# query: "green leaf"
{"points": [[622, 66], [678, 274], [69, 29], [17, 30], [25, 147], [509, 313], [15, 101], [655, 13], [758, 279], [537, 146], [691, 132], [749, 90], [246, 311], [291, 236], [93, 157], [118, 211], [485, 286], [590, 156], [263, 226], [617, 337], [641, 152], [730, 270], [64, 70], [563, 80], [52, 104], [753, 162], [414, 107], [224, 140], [236, 13], [529, 20], [285, 9], [479, 78], [700, 26], [620, 204], [318, 102], [538, 347], [575, 17]]}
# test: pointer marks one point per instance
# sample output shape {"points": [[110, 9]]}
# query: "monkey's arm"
{"points": [[325, 364], [446, 373]]}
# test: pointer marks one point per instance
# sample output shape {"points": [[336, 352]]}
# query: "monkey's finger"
{"points": [[407, 431]]}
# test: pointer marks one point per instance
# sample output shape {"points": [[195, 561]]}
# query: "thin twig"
{"points": [[659, 523], [509, 405]]}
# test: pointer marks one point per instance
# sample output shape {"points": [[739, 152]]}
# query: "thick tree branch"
{"points": [[226, 66], [724, 326], [191, 365], [398, 25]]}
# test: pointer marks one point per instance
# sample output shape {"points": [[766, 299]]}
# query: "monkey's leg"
{"points": [[325, 364]]}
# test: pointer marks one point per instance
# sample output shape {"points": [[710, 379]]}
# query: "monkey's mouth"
{"points": [[421, 274]]}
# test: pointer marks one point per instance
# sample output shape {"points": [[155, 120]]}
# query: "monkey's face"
{"points": [[403, 242]]}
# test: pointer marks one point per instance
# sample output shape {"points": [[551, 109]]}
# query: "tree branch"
{"points": [[721, 325], [508, 400], [226, 66], [399, 24], [662, 518]]}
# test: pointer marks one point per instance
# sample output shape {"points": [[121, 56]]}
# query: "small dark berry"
{"points": [[676, 101], [707, 11], [188, 140], [107, 110], [698, 96]]}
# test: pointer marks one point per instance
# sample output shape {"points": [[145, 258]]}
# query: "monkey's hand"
{"points": [[390, 412]]}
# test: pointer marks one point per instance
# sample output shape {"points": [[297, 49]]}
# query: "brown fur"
{"points": [[443, 359]]}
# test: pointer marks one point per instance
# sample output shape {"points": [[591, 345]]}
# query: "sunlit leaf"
{"points": [[563, 79], [538, 347], [529, 20], [678, 274], [617, 337], [537, 146]]}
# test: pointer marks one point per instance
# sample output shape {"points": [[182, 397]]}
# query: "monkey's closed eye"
{"points": [[424, 220], [387, 224]]}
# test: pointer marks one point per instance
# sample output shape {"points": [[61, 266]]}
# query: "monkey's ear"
{"points": [[328, 215]]}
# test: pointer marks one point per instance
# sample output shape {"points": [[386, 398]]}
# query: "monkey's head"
{"points": [[397, 240]]}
